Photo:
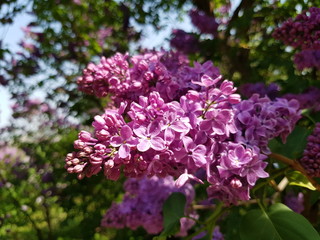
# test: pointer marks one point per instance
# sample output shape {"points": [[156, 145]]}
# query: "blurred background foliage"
{"points": [[39, 200]]}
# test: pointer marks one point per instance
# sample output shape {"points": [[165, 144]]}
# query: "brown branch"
{"points": [[296, 166]]}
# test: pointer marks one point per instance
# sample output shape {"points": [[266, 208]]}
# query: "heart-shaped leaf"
{"points": [[279, 223], [173, 210]]}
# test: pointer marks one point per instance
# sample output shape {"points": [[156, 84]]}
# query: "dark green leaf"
{"points": [[295, 144], [279, 223], [173, 210]]}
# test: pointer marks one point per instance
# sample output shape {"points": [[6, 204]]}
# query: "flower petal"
{"points": [[126, 132], [116, 141], [124, 151], [154, 128], [157, 143], [144, 145]]}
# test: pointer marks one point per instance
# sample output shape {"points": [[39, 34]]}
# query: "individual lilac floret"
{"points": [[142, 205], [204, 23], [271, 90], [184, 42], [295, 202], [309, 99], [311, 155], [261, 119]]}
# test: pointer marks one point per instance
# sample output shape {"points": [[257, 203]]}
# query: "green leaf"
{"points": [[294, 145], [173, 210], [159, 238], [298, 179], [257, 225], [279, 223]]}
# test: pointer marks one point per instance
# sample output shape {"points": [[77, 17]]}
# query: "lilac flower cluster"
{"points": [[248, 89], [311, 157], [184, 42], [295, 202], [165, 72], [260, 119], [197, 132], [142, 205], [308, 99], [303, 33], [206, 24]]}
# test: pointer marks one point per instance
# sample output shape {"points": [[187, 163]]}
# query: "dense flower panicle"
{"points": [[295, 202], [307, 58], [271, 90], [201, 126], [184, 42], [303, 31], [311, 155], [128, 78], [206, 24], [308, 99], [110, 75], [143, 202], [260, 119]]}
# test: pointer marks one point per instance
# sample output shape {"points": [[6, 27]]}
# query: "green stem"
{"points": [[279, 173], [210, 222], [296, 166], [207, 108], [263, 208]]}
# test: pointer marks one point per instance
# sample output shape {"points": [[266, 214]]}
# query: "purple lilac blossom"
{"points": [[260, 119], [142, 205], [308, 99], [126, 78], [204, 127], [295, 202], [248, 89], [303, 33], [184, 42], [307, 58], [206, 24], [311, 155]]}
